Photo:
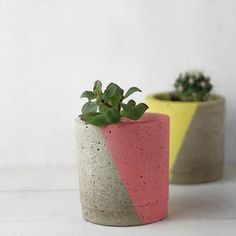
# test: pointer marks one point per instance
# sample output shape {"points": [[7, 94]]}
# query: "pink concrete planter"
{"points": [[123, 170]]}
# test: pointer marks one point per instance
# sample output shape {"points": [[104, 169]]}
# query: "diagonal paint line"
{"points": [[147, 185], [181, 115]]}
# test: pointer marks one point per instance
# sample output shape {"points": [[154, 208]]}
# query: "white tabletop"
{"points": [[38, 201]]}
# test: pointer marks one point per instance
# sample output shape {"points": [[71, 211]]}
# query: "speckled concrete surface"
{"points": [[104, 199], [140, 151], [201, 156]]}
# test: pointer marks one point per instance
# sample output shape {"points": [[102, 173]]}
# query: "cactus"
{"points": [[192, 86]]}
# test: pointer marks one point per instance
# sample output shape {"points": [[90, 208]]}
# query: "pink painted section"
{"points": [[140, 151]]}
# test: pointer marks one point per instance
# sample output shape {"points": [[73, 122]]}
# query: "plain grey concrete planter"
{"points": [[196, 137], [123, 171]]}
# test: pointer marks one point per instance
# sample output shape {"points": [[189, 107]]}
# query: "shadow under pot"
{"points": [[196, 137], [123, 170]]}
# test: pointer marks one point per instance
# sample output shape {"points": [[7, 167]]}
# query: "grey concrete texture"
{"points": [[201, 157], [104, 199]]}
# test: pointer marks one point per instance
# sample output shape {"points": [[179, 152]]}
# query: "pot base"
{"points": [[114, 218], [198, 175]]}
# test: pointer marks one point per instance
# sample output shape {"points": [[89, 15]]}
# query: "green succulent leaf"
{"points": [[131, 91], [95, 118], [128, 107], [136, 112], [131, 103], [88, 94], [103, 108], [107, 107], [101, 119], [113, 95], [89, 107], [113, 116], [97, 88], [125, 108]]}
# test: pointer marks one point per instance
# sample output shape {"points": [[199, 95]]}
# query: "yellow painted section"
{"points": [[181, 114]]}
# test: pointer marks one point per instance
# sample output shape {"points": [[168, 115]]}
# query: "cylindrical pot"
{"points": [[196, 137], [123, 170]]}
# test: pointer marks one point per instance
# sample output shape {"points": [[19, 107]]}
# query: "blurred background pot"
{"points": [[196, 137], [123, 170]]}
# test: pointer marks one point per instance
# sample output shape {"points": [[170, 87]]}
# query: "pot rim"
{"points": [[214, 99], [147, 118]]}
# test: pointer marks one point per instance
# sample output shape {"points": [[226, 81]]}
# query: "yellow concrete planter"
{"points": [[196, 137]]}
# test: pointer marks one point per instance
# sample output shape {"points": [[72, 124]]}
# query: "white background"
{"points": [[52, 50]]}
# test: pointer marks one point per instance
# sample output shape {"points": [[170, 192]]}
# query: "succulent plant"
{"points": [[107, 107], [192, 86]]}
